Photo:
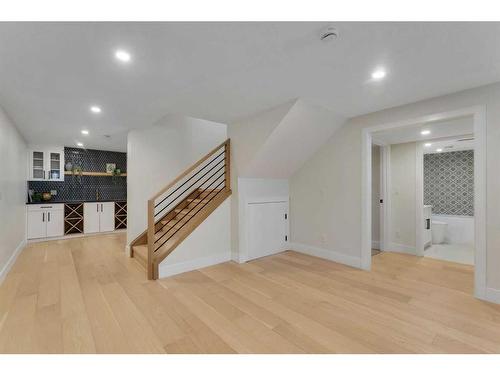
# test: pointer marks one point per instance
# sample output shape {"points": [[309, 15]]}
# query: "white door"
{"points": [[91, 217], [55, 223], [107, 210], [37, 227], [267, 228]]}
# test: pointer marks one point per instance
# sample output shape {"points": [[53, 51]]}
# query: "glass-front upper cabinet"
{"points": [[46, 163]]}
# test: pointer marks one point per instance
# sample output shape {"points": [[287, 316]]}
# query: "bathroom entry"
{"points": [[406, 139], [448, 186], [426, 174]]}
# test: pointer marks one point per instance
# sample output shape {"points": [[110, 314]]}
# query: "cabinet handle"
{"points": [[43, 217], [97, 207], [48, 215], [44, 174], [101, 207]]}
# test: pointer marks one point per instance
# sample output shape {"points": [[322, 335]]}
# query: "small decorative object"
{"points": [[116, 173], [69, 166], [46, 196], [37, 197], [77, 170], [110, 167]]}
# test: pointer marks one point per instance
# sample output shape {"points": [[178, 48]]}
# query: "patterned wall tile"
{"points": [[85, 188], [449, 182]]}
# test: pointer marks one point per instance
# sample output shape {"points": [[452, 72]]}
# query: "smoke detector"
{"points": [[329, 34]]}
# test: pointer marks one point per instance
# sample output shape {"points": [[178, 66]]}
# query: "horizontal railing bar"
{"points": [[164, 225], [223, 160], [222, 182], [156, 205], [189, 170], [208, 179]]}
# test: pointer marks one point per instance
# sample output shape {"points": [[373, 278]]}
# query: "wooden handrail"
{"points": [[152, 266], [189, 170]]}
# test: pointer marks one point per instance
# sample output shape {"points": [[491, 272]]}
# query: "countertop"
{"points": [[78, 201]]}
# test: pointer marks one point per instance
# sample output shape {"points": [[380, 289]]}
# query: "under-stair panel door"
{"points": [[267, 228]]}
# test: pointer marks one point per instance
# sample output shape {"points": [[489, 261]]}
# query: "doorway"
{"points": [[479, 129]]}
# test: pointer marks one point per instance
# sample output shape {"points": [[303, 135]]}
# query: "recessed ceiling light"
{"points": [[123, 55], [428, 145], [79, 144], [85, 132], [378, 74], [439, 150], [425, 132], [95, 109]]}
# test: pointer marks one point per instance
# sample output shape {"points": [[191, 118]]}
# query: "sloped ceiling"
{"points": [[292, 140]]}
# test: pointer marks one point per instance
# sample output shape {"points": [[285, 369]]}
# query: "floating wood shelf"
{"points": [[101, 174]]}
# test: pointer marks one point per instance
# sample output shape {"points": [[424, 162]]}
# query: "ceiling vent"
{"points": [[329, 34]]}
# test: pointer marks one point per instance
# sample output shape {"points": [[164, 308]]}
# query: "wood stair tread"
{"points": [[196, 220]]}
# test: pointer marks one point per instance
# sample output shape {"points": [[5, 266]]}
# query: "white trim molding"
{"points": [[492, 295], [167, 270], [8, 266], [334, 256], [401, 248]]}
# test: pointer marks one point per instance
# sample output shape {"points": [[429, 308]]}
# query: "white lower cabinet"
{"points": [[98, 217], [45, 220]]}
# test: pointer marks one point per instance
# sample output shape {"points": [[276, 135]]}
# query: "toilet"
{"points": [[438, 231]]}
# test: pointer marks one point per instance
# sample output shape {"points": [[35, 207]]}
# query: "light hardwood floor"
{"points": [[85, 296]]}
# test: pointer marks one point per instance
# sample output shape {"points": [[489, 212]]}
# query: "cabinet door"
{"points": [[37, 160], [55, 165], [107, 219], [37, 227], [55, 223], [91, 217]]}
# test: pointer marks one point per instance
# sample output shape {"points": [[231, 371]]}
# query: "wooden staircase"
{"points": [[180, 207]]}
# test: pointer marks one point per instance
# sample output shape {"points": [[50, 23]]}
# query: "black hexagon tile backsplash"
{"points": [[85, 188]]}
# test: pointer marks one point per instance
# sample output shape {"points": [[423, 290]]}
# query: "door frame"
{"points": [[478, 114]]}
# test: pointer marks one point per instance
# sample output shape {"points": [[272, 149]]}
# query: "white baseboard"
{"points": [[5, 270], [400, 248], [326, 254], [174, 269], [76, 235], [492, 295], [376, 245]]}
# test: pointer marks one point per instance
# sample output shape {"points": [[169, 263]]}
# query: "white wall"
{"points": [[403, 197], [267, 148], [460, 229], [252, 190], [157, 155], [376, 197], [325, 192], [208, 244], [13, 193]]}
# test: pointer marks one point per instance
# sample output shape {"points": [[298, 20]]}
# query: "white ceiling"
{"points": [[51, 72], [439, 130]]}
